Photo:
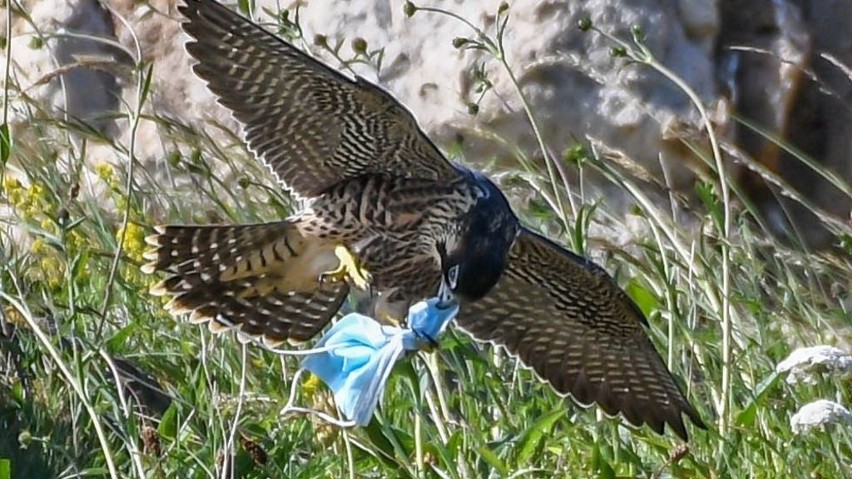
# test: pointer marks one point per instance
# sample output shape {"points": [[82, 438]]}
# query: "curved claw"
{"points": [[349, 269]]}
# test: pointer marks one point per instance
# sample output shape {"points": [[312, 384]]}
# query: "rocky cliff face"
{"points": [[780, 64]]}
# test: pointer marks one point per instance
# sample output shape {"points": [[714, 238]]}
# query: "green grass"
{"points": [[725, 300]]}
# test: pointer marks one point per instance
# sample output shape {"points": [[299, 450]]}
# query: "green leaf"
{"points": [[406, 371], [491, 458], [600, 464], [531, 438], [745, 418], [707, 193], [380, 441], [606, 471], [79, 264], [448, 460], [456, 442], [5, 143], [17, 392], [581, 227], [169, 424], [120, 337], [77, 222], [642, 296], [5, 468], [146, 84], [94, 472]]}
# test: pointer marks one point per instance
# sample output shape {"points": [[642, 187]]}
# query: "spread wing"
{"points": [[566, 318], [309, 123]]}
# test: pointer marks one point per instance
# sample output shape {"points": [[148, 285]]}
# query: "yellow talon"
{"points": [[348, 269]]}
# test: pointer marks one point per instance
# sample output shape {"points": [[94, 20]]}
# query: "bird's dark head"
{"points": [[474, 258]]}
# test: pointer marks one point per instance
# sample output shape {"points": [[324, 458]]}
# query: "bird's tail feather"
{"points": [[263, 278]]}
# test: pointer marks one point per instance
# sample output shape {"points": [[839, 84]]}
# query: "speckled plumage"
{"points": [[375, 183]]}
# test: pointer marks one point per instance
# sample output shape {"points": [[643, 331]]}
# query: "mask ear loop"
{"points": [[290, 407], [428, 319]]}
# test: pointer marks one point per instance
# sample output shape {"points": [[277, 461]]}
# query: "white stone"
{"points": [[576, 90], [700, 17], [574, 87]]}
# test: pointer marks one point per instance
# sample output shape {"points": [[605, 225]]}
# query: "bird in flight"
{"points": [[376, 186]]}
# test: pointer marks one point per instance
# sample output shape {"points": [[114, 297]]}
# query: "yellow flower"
{"points": [[13, 316], [310, 386], [11, 184], [39, 247], [49, 267], [49, 226], [15, 196], [76, 241], [14, 190], [36, 193], [53, 271], [120, 202], [134, 240], [105, 172], [30, 201]]}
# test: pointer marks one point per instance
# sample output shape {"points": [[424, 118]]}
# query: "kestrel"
{"points": [[376, 186]]}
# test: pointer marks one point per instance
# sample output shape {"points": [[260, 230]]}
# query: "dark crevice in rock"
{"points": [[768, 56]]}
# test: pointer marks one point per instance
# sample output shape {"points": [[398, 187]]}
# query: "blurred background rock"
{"points": [[773, 72]]}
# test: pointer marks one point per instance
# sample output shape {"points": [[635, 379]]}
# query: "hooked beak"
{"points": [[446, 298]]}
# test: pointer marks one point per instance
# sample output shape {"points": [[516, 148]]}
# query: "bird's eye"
{"points": [[453, 277]]}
